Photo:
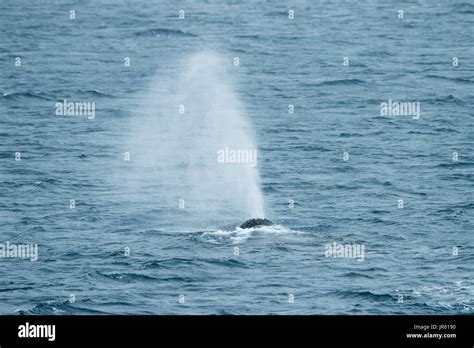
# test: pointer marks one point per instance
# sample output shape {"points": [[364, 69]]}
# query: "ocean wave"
{"points": [[126, 277], [445, 100], [159, 32], [338, 82], [250, 37], [463, 8], [457, 208], [27, 95], [350, 135], [452, 79], [455, 165], [457, 176], [240, 235], [310, 147], [169, 263], [97, 93], [358, 275], [57, 308], [56, 95], [457, 296], [276, 13], [81, 92], [366, 295], [16, 289], [199, 262]]}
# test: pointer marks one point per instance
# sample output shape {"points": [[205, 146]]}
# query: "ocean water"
{"points": [[130, 246]]}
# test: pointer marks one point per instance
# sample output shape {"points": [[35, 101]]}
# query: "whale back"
{"points": [[255, 223]]}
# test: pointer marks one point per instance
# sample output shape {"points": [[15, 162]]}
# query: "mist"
{"points": [[192, 142]]}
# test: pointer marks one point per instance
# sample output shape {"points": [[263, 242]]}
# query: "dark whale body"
{"points": [[255, 223]]}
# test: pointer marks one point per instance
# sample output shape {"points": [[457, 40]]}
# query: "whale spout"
{"points": [[256, 223]]}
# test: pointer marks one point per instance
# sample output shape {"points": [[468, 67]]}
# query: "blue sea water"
{"points": [[409, 265]]}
